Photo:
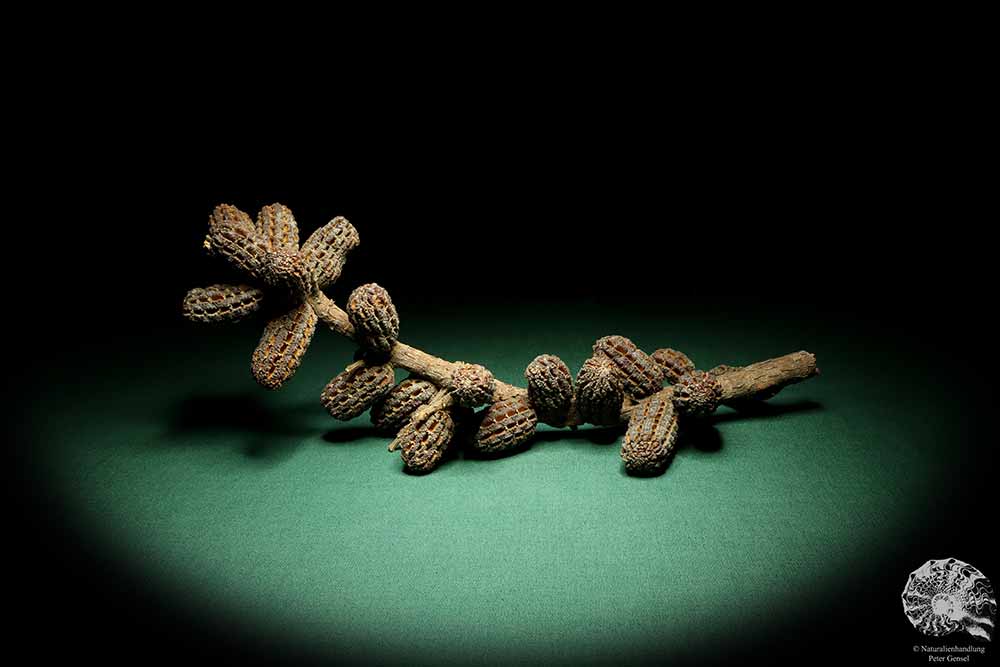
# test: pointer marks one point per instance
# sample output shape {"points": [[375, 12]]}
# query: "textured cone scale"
{"points": [[389, 414], [423, 445], [355, 389], [280, 349], [376, 324], [241, 247], [674, 364], [277, 227], [550, 388], [506, 424], [651, 437], [697, 394], [599, 392], [221, 303], [325, 251], [472, 385], [226, 214], [642, 376]]}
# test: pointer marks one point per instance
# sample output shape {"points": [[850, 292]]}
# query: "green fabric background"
{"points": [[276, 520]]}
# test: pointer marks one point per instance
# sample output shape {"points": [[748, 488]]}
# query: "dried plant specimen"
{"points": [[674, 364], [277, 226], [390, 413], [505, 425], [376, 324], [325, 251], [599, 392], [697, 394], [423, 445], [266, 253], [472, 385], [619, 384], [355, 389], [222, 303], [649, 441], [550, 388], [640, 374]]}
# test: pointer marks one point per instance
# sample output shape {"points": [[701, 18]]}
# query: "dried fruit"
{"points": [[227, 214], [425, 443], [393, 411], [472, 385], [599, 392], [641, 375], [674, 364], [550, 388], [697, 394], [277, 226], [374, 318], [240, 245], [280, 349], [505, 425], [356, 388], [325, 251], [651, 436], [267, 252], [221, 303]]}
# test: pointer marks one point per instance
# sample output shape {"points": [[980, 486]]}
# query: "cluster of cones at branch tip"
{"points": [[434, 408]]}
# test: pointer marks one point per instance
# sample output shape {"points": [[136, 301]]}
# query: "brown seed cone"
{"points": [[505, 425], [674, 364], [425, 443], [599, 392], [697, 394], [240, 246], [325, 251], [356, 388], [226, 214], [376, 324], [642, 376], [390, 413], [277, 226], [221, 303], [472, 385], [280, 349], [550, 388], [649, 441]]}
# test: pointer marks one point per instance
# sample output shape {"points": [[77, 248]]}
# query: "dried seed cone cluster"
{"points": [[371, 312], [674, 364], [427, 410], [505, 425], [424, 444], [599, 392], [355, 389], [472, 385], [391, 413], [651, 437], [550, 389], [267, 252], [641, 375], [697, 394]]}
